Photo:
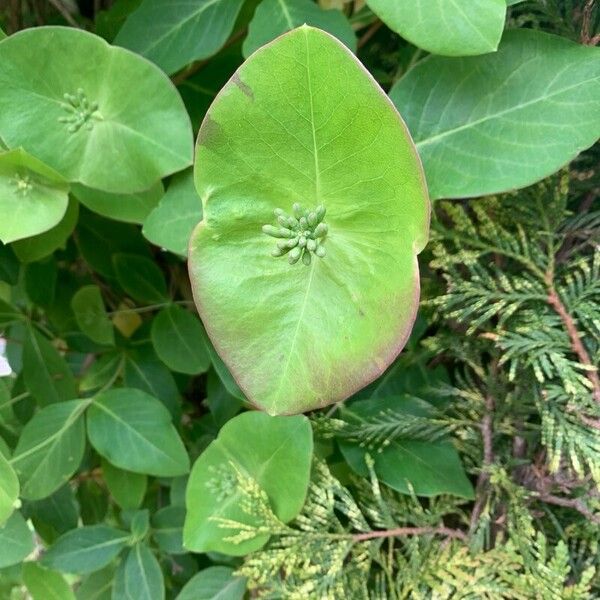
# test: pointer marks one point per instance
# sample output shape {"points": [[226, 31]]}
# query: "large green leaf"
{"points": [[84, 121], [171, 223], [40, 246], [9, 489], [16, 541], [130, 208], [274, 17], [47, 375], [139, 576], [86, 549], [33, 197], [214, 583], [134, 432], [90, 314], [50, 448], [274, 451], [173, 34], [177, 339], [427, 468], [44, 584], [492, 123], [302, 122], [456, 28]]}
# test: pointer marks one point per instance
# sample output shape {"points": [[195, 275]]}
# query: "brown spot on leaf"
{"points": [[246, 89], [209, 131]]}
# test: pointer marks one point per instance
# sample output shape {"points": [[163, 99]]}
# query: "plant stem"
{"points": [[402, 531]]}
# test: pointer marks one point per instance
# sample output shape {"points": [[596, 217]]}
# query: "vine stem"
{"points": [[402, 531], [576, 344]]}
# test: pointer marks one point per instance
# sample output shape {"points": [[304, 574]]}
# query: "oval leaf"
{"points": [[16, 541], [33, 197], [492, 123], [173, 34], [134, 432], [139, 576], [177, 338], [274, 17], [456, 28], [44, 584], [214, 583], [274, 451], [302, 122], [123, 111], [90, 314]]}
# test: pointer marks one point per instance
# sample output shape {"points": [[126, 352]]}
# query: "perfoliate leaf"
{"points": [[130, 208], [9, 489], [274, 17], [139, 576], [134, 432], [85, 549], [16, 541], [275, 451], [39, 246], [122, 112], [50, 448], [127, 488], [33, 197], [171, 223], [177, 339], [493, 123], [90, 314], [214, 583], [173, 34], [44, 584], [428, 468], [457, 28], [302, 130], [47, 375]]}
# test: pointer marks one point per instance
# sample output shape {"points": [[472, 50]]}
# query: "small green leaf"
{"points": [[134, 432], [122, 112], [130, 208], [44, 584], [40, 246], [329, 143], [457, 28], [47, 375], [102, 370], [50, 448], [139, 576], [59, 511], [275, 451], [214, 583], [40, 281], [127, 488], [274, 17], [173, 34], [493, 123], [177, 339], [141, 278], [406, 465], [9, 489], [167, 529], [90, 314], [33, 197], [16, 541], [98, 585], [85, 549], [171, 223], [140, 524]]}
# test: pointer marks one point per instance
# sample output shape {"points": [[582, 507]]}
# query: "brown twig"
{"points": [[403, 531], [64, 12], [369, 33], [574, 503], [576, 343], [586, 24]]}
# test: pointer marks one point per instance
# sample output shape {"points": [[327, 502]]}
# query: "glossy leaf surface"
{"points": [[302, 122], [122, 111]]}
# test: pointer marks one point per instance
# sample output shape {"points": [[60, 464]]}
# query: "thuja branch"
{"points": [[409, 531]]}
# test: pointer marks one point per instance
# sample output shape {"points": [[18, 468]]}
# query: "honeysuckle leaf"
{"points": [[173, 34], [457, 28], [130, 208], [33, 197], [301, 122], [492, 123], [274, 17], [276, 452], [83, 122]]}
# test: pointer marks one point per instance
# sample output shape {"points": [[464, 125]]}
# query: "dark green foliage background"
{"points": [[469, 470]]}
